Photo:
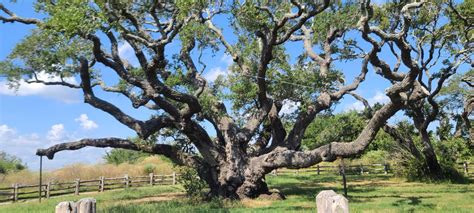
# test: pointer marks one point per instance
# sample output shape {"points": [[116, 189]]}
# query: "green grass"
{"points": [[370, 193]]}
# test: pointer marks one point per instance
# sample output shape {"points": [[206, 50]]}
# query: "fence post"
{"points": [[343, 173], [385, 168], [15, 192], [152, 176], [174, 178], [78, 184], [466, 170], [48, 189], [317, 169], [101, 183], [126, 181], [361, 169]]}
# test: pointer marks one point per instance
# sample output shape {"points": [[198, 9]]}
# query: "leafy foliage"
{"points": [[10, 163], [118, 156], [44, 52], [344, 127], [192, 183], [71, 17]]}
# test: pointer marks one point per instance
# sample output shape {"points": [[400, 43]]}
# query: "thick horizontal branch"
{"points": [[161, 149], [101, 142], [283, 157]]}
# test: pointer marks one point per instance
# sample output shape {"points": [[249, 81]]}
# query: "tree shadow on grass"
{"points": [[413, 201], [309, 190]]}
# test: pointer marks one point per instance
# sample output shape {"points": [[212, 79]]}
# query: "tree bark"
{"points": [[431, 160]]}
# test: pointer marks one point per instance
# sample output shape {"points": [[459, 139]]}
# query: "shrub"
{"points": [[149, 168], [10, 163], [416, 170], [192, 184], [118, 156], [407, 166], [452, 150], [374, 156]]}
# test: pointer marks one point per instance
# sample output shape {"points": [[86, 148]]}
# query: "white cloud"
{"points": [[227, 59], [125, 49], [214, 73], [61, 93], [6, 132], [85, 122], [289, 107], [379, 2], [126, 52], [379, 97], [24, 146], [56, 133]]}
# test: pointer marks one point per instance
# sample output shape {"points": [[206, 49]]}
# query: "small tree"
{"points": [[243, 109], [10, 163]]}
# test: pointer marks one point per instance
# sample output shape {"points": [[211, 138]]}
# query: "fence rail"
{"points": [[349, 169], [22, 191], [466, 167]]}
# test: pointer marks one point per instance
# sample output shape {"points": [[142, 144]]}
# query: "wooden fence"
{"points": [[466, 167], [349, 169], [22, 192]]}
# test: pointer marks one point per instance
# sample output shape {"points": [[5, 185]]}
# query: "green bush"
{"points": [[407, 166], [118, 156], [374, 156], [453, 150], [149, 168], [9, 163], [192, 183], [413, 169]]}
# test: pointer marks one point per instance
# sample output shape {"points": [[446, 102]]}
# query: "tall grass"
{"points": [[86, 172]]}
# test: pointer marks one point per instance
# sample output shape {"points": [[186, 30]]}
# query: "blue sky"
{"points": [[38, 116]]}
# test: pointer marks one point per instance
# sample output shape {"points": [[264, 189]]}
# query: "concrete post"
{"points": [[78, 184], [152, 177], [48, 189], [15, 192], [174, 178], [101, 184], [127, 182]]}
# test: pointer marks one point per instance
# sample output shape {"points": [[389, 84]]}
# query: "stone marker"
{"points": [[66, 207], [329, 201], [86, 205]]}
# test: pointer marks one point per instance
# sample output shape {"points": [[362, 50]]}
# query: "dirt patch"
{"points": [[161, 197], [255, 203]]}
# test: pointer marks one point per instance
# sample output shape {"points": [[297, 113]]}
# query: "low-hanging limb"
{"points": [[283, 157], [167, 150]]}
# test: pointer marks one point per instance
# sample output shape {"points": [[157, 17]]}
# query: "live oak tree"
{"points": [[80, 40]]}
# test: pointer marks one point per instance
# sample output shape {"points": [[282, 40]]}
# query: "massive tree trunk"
{"points": [[429, 154], [421, 122]]}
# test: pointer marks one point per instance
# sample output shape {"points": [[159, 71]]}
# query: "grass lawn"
{"points": [[370, 193]]}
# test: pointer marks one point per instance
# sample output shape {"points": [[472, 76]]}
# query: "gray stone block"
{"points": [[328, 201]]}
